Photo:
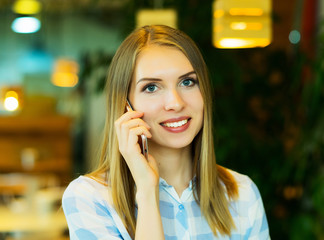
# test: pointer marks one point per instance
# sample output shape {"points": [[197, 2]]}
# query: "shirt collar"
{"points": [[163, 183]]}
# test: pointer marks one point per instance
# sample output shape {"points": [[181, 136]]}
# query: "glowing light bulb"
{"points": [[26, 25], [242, 42], [11, 103], [27, 7], [65, 73]]}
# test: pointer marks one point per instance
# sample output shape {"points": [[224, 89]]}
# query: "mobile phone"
{"points": [[142, 139]]}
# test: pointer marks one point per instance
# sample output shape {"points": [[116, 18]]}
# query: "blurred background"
{"points": [[266, 62]]}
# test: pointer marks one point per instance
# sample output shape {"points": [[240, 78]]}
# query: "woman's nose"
{"points": [[173, 101]]}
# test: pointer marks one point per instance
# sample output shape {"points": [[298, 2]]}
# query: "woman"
{"points": [[178, 192]]}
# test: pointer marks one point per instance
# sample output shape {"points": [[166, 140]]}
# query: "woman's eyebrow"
{"points": [[149, 79], [187, 74], [159, 80]]}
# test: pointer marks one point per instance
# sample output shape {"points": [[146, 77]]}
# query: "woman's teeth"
{"points": [[176, 124]]}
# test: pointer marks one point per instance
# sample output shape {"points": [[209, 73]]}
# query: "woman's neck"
{"points": [[175, 165]]}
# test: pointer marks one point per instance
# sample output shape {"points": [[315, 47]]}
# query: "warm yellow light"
{"points": [[27, 7], [219, 13], [11, 98], [64, 79], [246, 26], [242, 24], [11, 94], [156, 16], [11, 104], [218, 28], [65, 73], [242, 42], [246, 12], [238, 25]]}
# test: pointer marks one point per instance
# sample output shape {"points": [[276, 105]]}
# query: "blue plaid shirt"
{"points": [[90, 215]]}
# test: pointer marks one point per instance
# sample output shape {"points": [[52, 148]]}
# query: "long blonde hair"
{"points": [[212, 181]]}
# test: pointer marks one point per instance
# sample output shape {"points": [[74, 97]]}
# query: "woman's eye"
{"points": [[150, 88], [188, 82]]}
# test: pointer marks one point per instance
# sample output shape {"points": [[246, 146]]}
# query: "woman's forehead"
{"points": [[160, 60]]}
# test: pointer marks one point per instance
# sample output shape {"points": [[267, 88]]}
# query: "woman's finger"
{"points": [[125, 126], [123, 130], [134, 133], [128, 116], [124, 118], [128, 134], [130, 146]]}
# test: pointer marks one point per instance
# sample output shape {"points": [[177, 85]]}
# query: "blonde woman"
{"points": [[178, 191]]}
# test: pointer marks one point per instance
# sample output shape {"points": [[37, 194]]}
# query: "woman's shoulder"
{"points": [[247, 189], [88, 188], [239, 177], [89, 210], [248, 210]]}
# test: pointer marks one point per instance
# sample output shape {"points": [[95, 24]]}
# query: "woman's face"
{"points": [[165, 87]]}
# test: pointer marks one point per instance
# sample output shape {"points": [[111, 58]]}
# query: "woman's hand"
{"points": [[145, 172], [129, 127]]}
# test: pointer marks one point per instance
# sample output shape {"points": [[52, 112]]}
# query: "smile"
{"points": [[175, 124]]}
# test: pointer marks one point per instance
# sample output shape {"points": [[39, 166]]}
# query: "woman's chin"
{"points": [[172, 143]]}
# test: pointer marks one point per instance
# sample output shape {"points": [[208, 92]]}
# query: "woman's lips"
{"points": [[176, 125]]}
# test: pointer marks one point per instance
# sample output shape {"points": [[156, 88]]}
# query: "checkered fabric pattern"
{"points": [[90, 215]]}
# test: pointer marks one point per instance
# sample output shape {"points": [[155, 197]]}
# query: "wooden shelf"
{"points": [[36, 145]]}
